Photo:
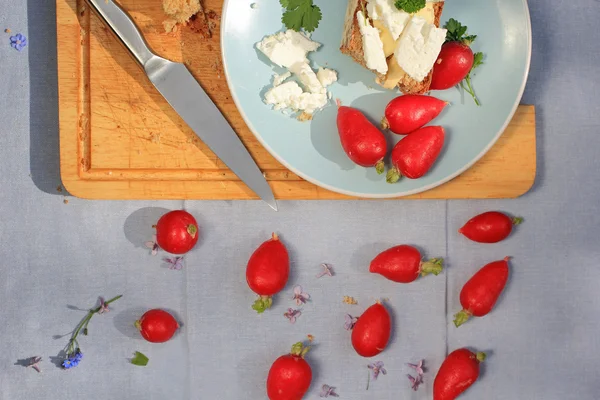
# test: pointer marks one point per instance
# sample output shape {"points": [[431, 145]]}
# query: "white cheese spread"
{"points": [[278, 79], [307, 77], [372, 45], [418, 48], [290, 95], [287, 48], [326, 76], [393, 19]]}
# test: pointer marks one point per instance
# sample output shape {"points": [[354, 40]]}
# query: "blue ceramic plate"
{"points": [[312, 149]]}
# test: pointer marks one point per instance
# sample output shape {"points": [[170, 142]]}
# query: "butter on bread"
{"points": [[352, 45]]}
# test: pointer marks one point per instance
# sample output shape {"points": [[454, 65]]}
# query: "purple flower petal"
{"points": [[152, 245], [327, 391], [292, 314], [103, 306], [377, 368], [326, 271], [18, 42], [415, 382], [300, 296], [175, 263], [350, 322], [418, 367], [34, 363]]}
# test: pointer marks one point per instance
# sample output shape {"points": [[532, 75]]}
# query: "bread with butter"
{"points": [[352, 45]]}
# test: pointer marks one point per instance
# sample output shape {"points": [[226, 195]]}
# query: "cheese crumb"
{"points": [[419, 47], [307, 77], [278, 79], [287, 48], [326, 76], [290, 95], [372, 45]]}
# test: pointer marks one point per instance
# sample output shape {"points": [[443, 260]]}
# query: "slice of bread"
{"points": [[352, 45]]}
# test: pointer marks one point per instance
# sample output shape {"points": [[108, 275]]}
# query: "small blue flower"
{"points": [[73, 360], [18, 42]]}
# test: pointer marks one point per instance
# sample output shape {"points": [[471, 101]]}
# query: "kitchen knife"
{"points": [[177, 85]]}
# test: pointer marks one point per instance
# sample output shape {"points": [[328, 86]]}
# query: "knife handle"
{"points": [[124, 28]]}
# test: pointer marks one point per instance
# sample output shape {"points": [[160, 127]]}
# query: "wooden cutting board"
{"points": [[119, 139]]}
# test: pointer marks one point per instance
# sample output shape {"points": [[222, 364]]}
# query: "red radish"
{"points": [[410, 112], [177, 232], [479, 295], [290, 375], [452, 66], [456, 374], [372, 331], [267, 272], [403, 264], [489, 227], [157, 326], [414, 155], [362, 141]]}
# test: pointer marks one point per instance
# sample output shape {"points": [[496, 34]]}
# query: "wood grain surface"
{"points": [[119, 139]]}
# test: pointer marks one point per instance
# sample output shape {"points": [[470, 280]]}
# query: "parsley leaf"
{"points": [[301, 14], [410, 6], [478, 60], [139, 359], [457, 32]]}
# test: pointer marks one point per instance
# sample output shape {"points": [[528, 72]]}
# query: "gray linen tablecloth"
{"points": [[541, 339]]}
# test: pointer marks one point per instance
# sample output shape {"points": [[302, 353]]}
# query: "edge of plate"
{"points": [[390, 195]]}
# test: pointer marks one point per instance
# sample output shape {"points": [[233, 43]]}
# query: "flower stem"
{"points": [[73, 344], [469, 89]]}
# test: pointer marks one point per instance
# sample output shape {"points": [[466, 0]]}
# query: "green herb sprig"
{"points": [[457, 32], [410, 6], [478, 60], [301, 14]]}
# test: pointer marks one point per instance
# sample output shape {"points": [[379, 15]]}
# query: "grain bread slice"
{"points": [[352, 45]]}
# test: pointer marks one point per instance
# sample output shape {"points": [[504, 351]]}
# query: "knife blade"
{"points": [[181, 90]]}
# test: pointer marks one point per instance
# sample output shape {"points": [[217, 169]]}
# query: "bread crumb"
{"points": [[7, 30], [350, 300], [199, 24], [169, 25], [179, 12], [66, 201], [304, 117], [217, 65], [59, 188]]}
